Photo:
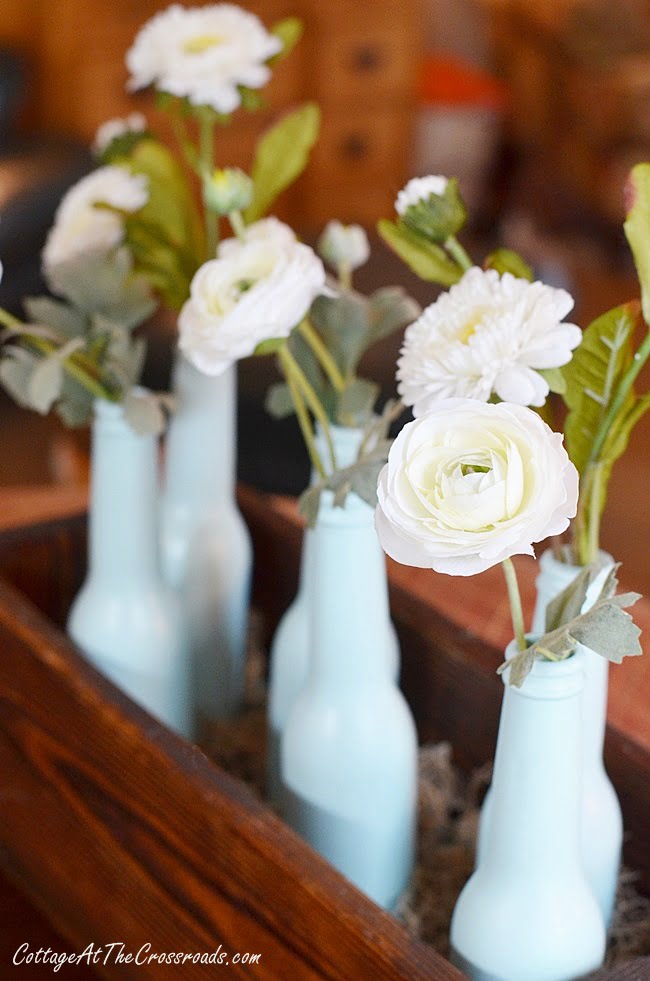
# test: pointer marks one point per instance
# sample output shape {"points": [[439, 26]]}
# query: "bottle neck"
{"points": [[535, 821], [348, 598], [346, 442], [200, 468], [123, 532]]}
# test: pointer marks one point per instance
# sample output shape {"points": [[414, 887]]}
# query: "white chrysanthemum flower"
{"points": [[488, 334], [257, 289], [471, 484], [80, 228], [135, 122], [344, 245], [203, 54], [419, 189]]}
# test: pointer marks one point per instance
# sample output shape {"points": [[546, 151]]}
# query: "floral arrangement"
{"points": [[130, 236]]}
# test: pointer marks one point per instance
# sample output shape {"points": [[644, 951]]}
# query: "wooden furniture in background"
{"points": [[358, 58], [114, 827]]}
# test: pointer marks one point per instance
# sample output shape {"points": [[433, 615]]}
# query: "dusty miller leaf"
{"points": [[569, 603], [144, 413]]}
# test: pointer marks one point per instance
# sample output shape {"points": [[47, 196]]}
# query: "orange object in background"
{"points": [[446, 81]]}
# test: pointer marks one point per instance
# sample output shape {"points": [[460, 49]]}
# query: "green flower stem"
{"points": [[237, 223], [185, 144], [323, 356], [345, 276], [206, 158], [457, 252], [301, 411], [515, 603], [312, 400], [623, 390]]}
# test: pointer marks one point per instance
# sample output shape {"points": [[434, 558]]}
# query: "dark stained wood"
{"points": [[117, 829]]}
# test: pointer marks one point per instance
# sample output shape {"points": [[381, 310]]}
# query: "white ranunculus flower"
{"points": [[471, 484], [203, 54], [344, 245], [419, 189], [81, 228], [135, 122], [487, 334], [257, 289]]}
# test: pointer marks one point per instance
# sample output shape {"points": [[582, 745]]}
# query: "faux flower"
{"points": [[487, 334], [80, 228], [471, 484], [419, 189], [344, 245], [203, 54], [228, 189], [257, 289], [112, 129]]}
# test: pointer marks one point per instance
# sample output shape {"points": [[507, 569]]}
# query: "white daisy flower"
{"points": [[488, 334], [203, 54], [419, 189], [135, 122], [80, 228]]}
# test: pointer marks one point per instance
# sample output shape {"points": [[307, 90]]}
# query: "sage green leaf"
{"points": [[391, 308], [428, 261], [507, 261], [356, 402], [637, 228], [15, 375], [289, 30], [519, 666], [278, 402], [309, 505], [609, 631], [592, 376], [105, 283], [45, 384], [62, 317], [144, 413], [75, 406], [343, 322], [570, 602], [554, 379], [281, 156]]}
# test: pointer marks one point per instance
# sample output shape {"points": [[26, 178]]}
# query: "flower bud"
{"points": [[228, 190], [432, 207], [344, 245]]}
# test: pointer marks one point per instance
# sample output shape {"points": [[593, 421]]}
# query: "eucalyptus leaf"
{"points": [[343, 322], [278, 402], [105, 283], [281, 156], [428, 261], [75, 405], [592, 375], [356, 402], [15, 375], [507, 261], [391, 308], [144, 413], [637, 228], [62, 317], [45, 384]]}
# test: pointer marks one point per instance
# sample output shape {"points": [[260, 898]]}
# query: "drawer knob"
{"points": [[367, 58]]}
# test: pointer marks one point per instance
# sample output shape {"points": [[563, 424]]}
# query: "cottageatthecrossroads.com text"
{"points": [[116, 953]]}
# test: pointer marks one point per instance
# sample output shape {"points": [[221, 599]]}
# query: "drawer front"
{"points": [[376, 63], [361, 147]]}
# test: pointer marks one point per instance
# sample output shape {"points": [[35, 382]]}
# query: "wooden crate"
{"points": [[116, 828]]}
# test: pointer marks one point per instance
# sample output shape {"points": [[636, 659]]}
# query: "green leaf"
{"points": [[554, 378], [105, 283], [62, 317], [289, 30], [45, 384], [356, 402], [278, 402], [616, 443], [507, 261], [391, 308], [281, 156], [343, 321], [592, 375], [428, 261], [75, 406], [637, 228], [251, 99], [15, 374]]}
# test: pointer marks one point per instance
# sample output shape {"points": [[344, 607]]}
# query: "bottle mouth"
{"points": [[550, 679], [355, 512]]}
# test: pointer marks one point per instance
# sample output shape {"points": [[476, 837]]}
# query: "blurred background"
{"points": [[539, 108]]}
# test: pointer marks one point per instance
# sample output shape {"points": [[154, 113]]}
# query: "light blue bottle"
{"points": [[349, 747], [206, 548], [289, 656], [125, 619]]}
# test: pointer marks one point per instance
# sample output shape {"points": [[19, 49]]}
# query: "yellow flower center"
{"points": [[197, 45], [469, 328]]}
